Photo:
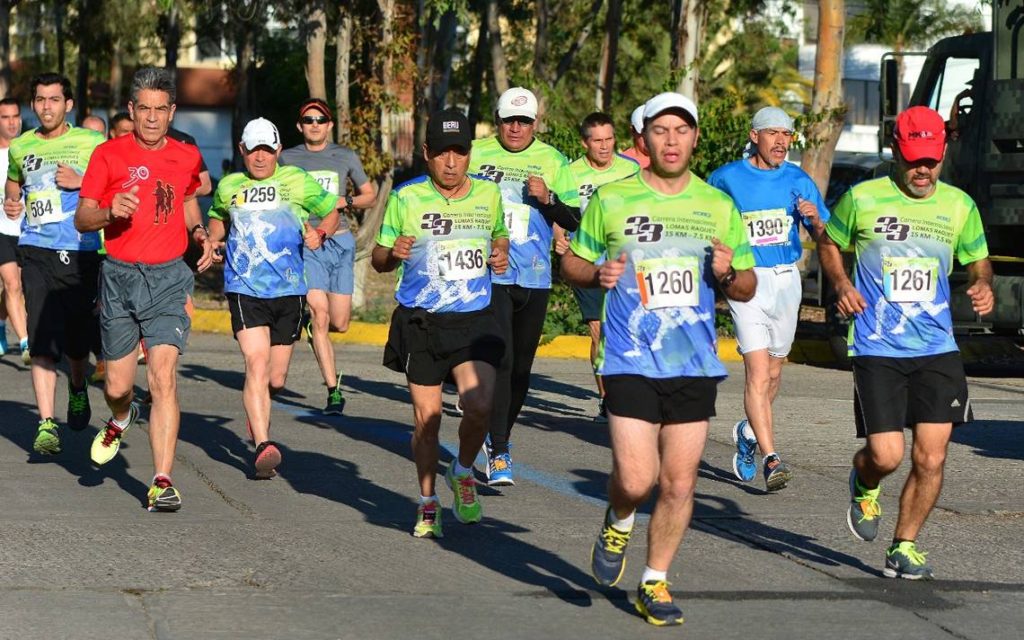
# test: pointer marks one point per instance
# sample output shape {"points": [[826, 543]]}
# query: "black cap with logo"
{"points": [[448, 128]]}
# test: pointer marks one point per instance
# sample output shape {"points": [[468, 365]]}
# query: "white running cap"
{"points": [[636, 120], [260, 133], [668, 101], [517, 101]]}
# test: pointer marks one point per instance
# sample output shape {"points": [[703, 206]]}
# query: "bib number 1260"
{"points": [[669, 282]]}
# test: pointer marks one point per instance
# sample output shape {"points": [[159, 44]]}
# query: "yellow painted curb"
{"points": [[219, 321]]}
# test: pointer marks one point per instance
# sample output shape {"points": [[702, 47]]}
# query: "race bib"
{"points": [[43, 207], [910, 279], [517, 220], [259, 197], [767, 227], [669, 282], [462, 259], [328, 180]]}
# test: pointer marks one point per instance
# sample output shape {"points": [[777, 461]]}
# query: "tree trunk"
{"points": [[689, 22], [566, 61], [476, 80], [540, 66], [828, 93], [117, 102], [314, 30], [422, 99], [172, 39], [387, 33], [82, 85], [341, 81], [445, 46], [244, 50], [609, 55], [366, 239], [5, 46], [58, 21], [499, 64]]}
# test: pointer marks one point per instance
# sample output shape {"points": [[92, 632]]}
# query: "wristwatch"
{"points": [[729, 278], [348, 201]]}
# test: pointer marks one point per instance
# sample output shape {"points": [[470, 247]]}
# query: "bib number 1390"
{"points": [[669, 282]]}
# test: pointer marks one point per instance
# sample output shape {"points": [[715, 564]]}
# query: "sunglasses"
{"points": [[523, 120], [314, 119]]}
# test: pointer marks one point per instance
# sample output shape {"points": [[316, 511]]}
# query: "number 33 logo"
{"points": [[891, 227]]}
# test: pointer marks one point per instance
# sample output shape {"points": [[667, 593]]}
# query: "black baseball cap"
{"points": [[448, 128]]}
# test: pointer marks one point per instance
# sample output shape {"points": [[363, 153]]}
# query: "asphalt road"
{"points": [[324, 551]]}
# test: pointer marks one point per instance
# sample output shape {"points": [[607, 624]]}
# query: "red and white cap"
{"points": [[920, 134], [517, 102]]}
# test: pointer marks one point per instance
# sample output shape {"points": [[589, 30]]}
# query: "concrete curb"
{"points": [[219, 321]]}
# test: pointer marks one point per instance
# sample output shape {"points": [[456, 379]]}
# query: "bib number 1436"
{"points": [[669, 282], [462, 259]]}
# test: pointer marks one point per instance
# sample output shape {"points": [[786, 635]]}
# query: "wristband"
{"points": [[199, 226], [322, 234], [348, 201]]}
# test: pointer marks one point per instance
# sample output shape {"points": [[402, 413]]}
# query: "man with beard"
{"points": [[907, 370]]}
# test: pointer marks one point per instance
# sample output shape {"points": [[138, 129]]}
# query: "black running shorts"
{"points": [[891, 394], [282, 315], [661, 400]]}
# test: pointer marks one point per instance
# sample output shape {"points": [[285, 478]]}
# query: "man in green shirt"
{"points": [[599, 165], [447, 231]]}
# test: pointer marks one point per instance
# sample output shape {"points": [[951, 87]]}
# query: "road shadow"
{"points": [[228, 378], [19, 426], [993, 438], [724, 518]]}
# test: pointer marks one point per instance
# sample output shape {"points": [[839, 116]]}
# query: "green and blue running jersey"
{"points": [[265, 244], [659, 320], [530, 233], [49, 220], [587, 179], [905, 250], [447, 269]]}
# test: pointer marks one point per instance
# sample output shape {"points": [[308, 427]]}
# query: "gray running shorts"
{"points": [[144, 301]]}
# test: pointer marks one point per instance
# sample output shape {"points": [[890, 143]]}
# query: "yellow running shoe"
{"points": [[466, 505], [428, 521], [108, 440], [47, 438], [654, 604], [163, 496]]}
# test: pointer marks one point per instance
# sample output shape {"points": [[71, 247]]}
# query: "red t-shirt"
{"points": [[156, 233], [642, 158]]}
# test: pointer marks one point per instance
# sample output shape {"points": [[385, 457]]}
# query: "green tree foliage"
{"points": [[910, 23]]}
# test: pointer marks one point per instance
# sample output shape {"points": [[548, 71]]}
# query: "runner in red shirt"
{"points": [[141, 190]]}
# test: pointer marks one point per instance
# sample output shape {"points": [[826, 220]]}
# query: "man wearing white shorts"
{"points": [[773, 197]]}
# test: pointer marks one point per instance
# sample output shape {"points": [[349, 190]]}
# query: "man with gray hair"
{"points": [[773, 197], [140, 189]]}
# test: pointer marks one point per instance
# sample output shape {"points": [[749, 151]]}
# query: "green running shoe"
{"points": [[654, 603], [163, 496], [466, 506], [864, 513], [79, 411], [335, 400], [903, 560], [608, 555], [428, 521], [108, 440], [47, 438]]}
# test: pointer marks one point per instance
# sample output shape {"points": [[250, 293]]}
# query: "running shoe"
{"points": [[776, 473], [99, 374], [903, 560], [108, 440], [499, 470], [602, 412], [428, 521], [466, 506], [3, 341], [79, 411], [865, 513], [654, 604], [163, 496], [266, 460], [335, 400], [47, 438], [743, 464], [26, 357], [608, 555]]}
